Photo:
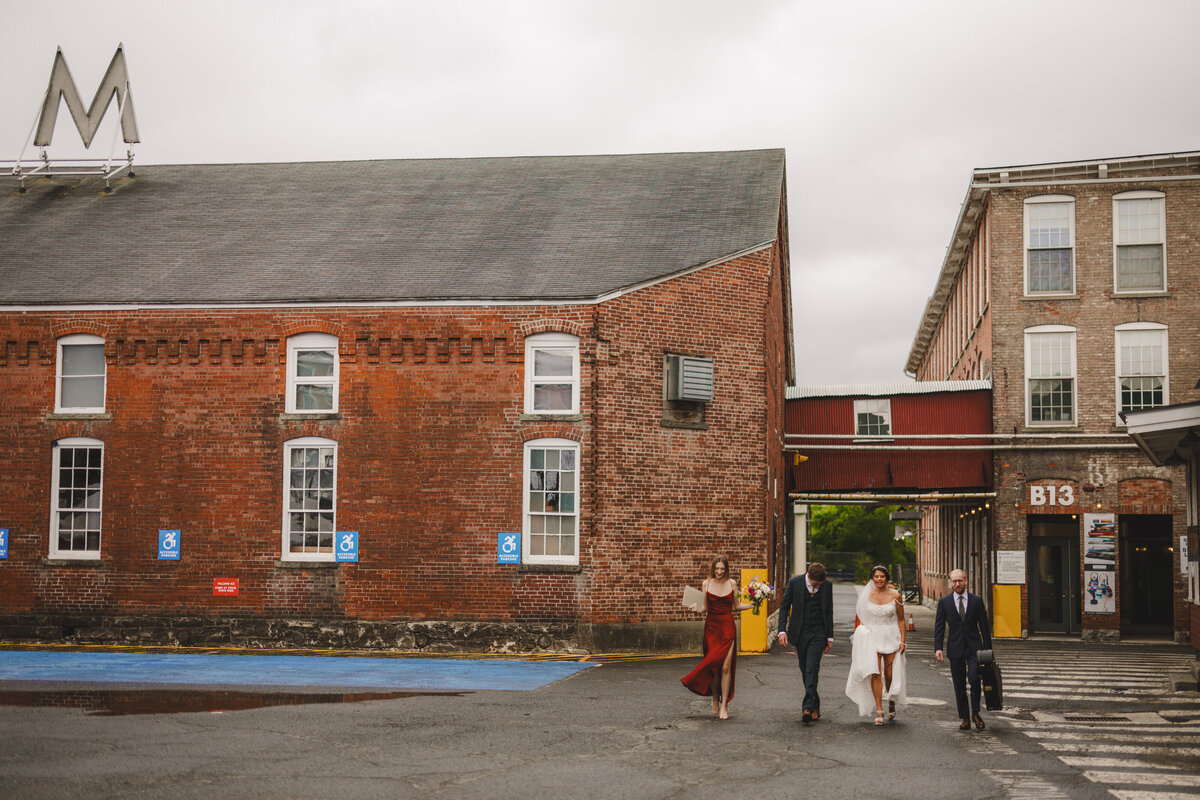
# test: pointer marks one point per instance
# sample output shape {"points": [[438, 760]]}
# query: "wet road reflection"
{"points": [[111, 703]]}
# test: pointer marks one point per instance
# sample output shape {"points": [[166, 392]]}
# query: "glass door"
{"points": [[1054, 576]]}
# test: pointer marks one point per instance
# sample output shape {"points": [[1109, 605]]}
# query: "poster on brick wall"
{"points": [[1099, 541], [4, 543], [1100, 563]]}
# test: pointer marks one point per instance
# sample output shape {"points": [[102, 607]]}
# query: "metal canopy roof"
{"points": [[1168, 435]]}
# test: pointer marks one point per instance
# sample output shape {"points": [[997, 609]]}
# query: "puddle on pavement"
{"points": [[115, 702]]}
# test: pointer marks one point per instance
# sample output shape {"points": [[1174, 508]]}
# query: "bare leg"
{"points": [[887, 674], [726, 680], [877, 688]]}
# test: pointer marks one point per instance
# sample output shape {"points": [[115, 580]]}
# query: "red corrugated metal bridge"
{"points": [[925, 444], [921, 442]]}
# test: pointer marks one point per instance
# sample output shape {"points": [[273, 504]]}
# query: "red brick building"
{"points": [[1074, 288], [587, 354]]}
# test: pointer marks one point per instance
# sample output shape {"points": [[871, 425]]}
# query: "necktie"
{"points": [[962, 606]]}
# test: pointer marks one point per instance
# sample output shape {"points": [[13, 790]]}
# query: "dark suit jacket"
{"points": [[791, 610], [967, 635]]}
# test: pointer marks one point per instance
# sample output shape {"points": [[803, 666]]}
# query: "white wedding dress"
{"points": [[878, 632]]}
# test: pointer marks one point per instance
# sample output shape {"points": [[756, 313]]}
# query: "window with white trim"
{"points": [[1050, 375], [1050, 245], [1141, 366], [873, 417], [79, 384], [1139, 242], [552, 374], [312, 369], [551, 499], [309, 498], [76, 498]]}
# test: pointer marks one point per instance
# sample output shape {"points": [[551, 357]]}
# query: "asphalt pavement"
{"points": [[624, 729]]}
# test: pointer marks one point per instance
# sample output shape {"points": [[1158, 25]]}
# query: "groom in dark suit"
{"points": [[970, 632], [806, 620]]}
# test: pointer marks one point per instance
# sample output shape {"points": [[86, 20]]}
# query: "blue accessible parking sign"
{"points": [[347, 546], [508, 548], [168, 545], [3, 542]]}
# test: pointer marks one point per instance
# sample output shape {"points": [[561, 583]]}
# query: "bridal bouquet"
{"points": [[758, 591]]}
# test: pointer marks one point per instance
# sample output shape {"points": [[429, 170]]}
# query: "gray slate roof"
{"points": [[538, 228]]}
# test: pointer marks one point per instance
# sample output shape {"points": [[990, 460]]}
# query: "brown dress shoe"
{"points": [[806, 717], [965, 725], [978, 721], [816, 714]]}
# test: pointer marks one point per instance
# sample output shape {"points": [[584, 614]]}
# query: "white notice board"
{"points": [[1010, 566]]}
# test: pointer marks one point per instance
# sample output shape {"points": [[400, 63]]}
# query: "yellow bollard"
{"points": [[754, 626], [1006, 611]]}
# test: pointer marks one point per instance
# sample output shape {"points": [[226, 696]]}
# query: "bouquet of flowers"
{"points": [[758, 591]]}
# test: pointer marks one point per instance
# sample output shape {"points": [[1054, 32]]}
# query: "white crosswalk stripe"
{"points": [[1108, 710]]}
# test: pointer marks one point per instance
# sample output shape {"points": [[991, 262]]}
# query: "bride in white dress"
{"points": [[877, 655]]}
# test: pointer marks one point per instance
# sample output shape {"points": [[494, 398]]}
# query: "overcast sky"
{"points": [[884, 108]]}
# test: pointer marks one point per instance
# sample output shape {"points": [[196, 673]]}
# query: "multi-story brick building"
{"points": [[210, 373], [1074, 287]]}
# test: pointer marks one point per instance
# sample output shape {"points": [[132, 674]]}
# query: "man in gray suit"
{"points": [[806, 619]]}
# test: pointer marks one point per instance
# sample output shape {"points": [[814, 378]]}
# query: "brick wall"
{"points": [[1094, 311], [430, 437]]}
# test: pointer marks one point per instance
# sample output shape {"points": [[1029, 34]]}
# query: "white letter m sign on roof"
{"points": [[116, 82]]}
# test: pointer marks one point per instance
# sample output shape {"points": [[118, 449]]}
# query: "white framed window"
{"points": [[312, 369], [1050, 375], [76, 498], [1050, 245], [551, 500], [552, 374], [1142, 379], [309, 498], [873, 417], [80, 379], [1139, 242]]}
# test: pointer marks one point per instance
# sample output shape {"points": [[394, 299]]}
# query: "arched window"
{"points": [[309, 498], [1050, 396], [551, 530], [1139, 242], [312, 370], [1050, 245], [79, 384], [552, 374], [76, 498], [1141, 361]]}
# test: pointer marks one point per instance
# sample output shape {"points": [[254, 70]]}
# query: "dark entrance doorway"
{"points": [[1054, 574], [1145, 574]]}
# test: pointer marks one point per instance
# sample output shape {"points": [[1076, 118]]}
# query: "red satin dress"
{"points": [[720, 635]]}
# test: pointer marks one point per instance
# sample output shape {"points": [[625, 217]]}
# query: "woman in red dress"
{"points": [[715, 673]]}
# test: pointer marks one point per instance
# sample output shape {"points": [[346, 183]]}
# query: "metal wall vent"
{"points": [[689, 378]]}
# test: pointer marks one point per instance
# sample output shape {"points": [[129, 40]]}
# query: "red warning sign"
{"points": [[225, 587]]}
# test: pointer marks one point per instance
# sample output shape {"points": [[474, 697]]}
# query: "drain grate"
{"points": [[1093, 718]]}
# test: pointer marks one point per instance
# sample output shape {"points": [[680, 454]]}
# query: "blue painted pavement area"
{"points": [[252, 670]]}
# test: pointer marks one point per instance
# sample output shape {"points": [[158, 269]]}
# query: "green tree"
{"points": [[859, 529]]}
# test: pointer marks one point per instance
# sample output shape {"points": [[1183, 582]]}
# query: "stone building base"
{"points": [[425, 637]]}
